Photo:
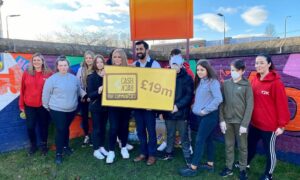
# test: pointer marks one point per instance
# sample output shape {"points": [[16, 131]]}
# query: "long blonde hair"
{"points": [[86, 70], [45, 69], [123, 55]]}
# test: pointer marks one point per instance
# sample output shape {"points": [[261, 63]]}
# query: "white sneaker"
{"points": [[124, 153], [162, 146], [110, 157], [129, 147], [98, 155], [103, 151], [191, 149]]}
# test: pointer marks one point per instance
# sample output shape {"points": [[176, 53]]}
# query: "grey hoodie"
{"points": [[238, 102]]}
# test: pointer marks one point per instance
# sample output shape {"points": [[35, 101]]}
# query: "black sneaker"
{"points": [[32, 150], [68, 151], [266, 177], [167, 157], [188, 172], [226, 172], [243, 175], [58, 159], [207, 167]]}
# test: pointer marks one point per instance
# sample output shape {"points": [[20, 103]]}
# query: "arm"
{"points": [[92, 89], [79, 77], [217, 97], [188, 96], [281, 103], [249, 107], [47, 91], [221, 114], [22, 90]]}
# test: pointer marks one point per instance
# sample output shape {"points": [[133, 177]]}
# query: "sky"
{"points": [[243, 18]]}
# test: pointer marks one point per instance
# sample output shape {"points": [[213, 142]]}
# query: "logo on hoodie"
{"points": [[265, 92]]}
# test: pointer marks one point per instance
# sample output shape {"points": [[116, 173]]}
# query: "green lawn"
{"points": [[82, 165]]}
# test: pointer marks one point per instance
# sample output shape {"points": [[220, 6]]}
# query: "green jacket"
{"points": [[238, 102]]}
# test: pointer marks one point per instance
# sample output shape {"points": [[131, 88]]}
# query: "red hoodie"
{"points": [[31, 89], [270, 103]]}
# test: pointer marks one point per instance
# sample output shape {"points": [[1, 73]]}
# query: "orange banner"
{"points": [[161, 19]]}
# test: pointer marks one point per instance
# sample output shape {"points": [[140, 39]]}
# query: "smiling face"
{"points": [[117, 59], [37, 63], [201, 72], [89, 59], [63, 67], [99, 64], [141, 51], [261, 64]]}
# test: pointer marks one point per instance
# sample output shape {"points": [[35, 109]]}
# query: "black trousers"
{"points": [[84, 111], [118, 126], [62, 122], [99, 119], [269, 140], [37, 116]]}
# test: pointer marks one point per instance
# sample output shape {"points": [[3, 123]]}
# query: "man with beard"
{"points": [[145, 119]]}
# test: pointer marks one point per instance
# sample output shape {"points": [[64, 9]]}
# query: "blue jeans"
{"points": [[145, 122], [207, 125]]}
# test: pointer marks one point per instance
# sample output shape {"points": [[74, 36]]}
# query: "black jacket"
{"points": [[184, 93], [94, 81]]}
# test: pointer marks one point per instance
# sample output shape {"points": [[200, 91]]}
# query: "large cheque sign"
{"points": [[144, 88]]}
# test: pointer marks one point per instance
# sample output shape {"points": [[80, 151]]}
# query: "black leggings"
{"points": [[118, 126], [37, 116], [99, 119], [84, 110], [62, 121], [269, 140]]}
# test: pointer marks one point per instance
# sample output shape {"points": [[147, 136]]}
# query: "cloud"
{"points": [[227, 10], [111, 21], [248, 35], [213, 21], [255, 16]]}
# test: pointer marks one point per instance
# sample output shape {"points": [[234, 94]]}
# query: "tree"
{"points": [[270, 30]]}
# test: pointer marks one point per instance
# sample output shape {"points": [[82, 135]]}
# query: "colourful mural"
{"points": [[13, 129]]}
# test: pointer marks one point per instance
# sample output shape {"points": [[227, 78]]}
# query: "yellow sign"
{"points": [[143, 88]]}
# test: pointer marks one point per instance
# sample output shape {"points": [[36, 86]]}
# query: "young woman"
{"points": [[270, 113], [60, 97], [207, 100], [30, 102], [99, 113], [118, 117], [235, 115], [82, 74]]}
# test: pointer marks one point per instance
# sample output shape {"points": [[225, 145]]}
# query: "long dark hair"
{"points": [[211, 74], [268, 59], [97, 56]]}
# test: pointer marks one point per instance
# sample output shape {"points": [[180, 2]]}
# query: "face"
{"points": [[176, 67], [261, 64], [63, 67], [117, 59], [233, 69], [37, 62], [141, 52], [201, 72], [88, 59], [99, 63]]}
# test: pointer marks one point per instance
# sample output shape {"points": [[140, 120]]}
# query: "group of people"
{"points": [[245, 111]]}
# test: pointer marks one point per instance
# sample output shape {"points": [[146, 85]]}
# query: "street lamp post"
{"points": [[12, 15], [285, 25], [222, 15], [1, 29]]}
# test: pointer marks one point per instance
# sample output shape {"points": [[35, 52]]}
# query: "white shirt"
{"points": [[155, 64]]}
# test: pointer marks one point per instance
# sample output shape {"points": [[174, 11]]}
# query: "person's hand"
{"points": [[102, 74], [202, 113], [88, 99], [175, 109], [279, 131], [223, 127], [100, 89], [242, 130]]}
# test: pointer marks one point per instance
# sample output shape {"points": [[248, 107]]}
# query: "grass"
{"points": [[82, 165]]}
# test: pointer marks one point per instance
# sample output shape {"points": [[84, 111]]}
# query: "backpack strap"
{"points": [[149, 63]]}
